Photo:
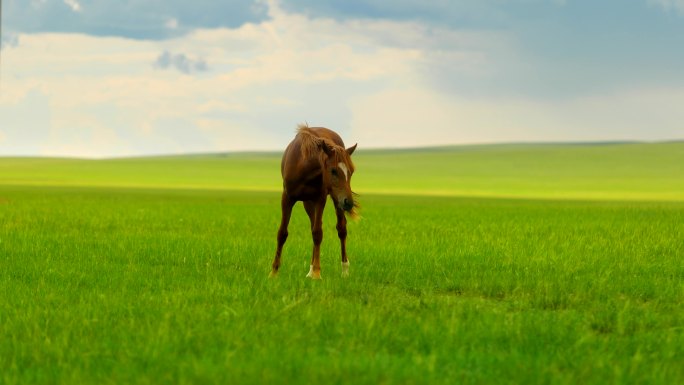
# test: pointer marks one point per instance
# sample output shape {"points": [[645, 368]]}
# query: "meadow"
{"points": [[534, 264]]}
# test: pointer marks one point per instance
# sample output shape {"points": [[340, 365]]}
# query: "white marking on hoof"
{"points": [[274, 274], [312, 274], [345, 269]]}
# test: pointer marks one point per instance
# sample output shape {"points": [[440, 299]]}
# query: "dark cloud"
{"points": [[463, 13], [9, 40], [180, 62], [136, 19], [553, 48]]}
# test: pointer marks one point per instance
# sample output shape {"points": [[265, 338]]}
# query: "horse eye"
{"points": [[334, 171]]}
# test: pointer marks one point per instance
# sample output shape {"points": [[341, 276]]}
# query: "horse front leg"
{"points": [[317, 235], [310, 207], [342, 234], [286, 207]]}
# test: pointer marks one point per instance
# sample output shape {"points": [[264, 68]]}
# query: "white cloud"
{"points": [[9, 40], [669, 5], [171, 23], [409, 115], [265, 78], [74, 5], [373, 81], [37, 4]]}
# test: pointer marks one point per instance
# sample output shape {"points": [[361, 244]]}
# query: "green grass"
{"points": [[166, 281]]}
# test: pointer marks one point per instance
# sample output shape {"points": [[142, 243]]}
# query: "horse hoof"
{"points": [[345, 269], [273, 274], [313, 274]]}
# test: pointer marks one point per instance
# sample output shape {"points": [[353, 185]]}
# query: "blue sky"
{"points": [[116, 78]]}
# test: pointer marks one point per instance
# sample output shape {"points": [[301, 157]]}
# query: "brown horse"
{"points": [[316, 164]]}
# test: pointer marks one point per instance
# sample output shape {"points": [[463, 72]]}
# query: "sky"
{"points": [[105, 78]]}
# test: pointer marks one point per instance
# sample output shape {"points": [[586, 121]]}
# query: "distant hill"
{"points": [[626, 171]]}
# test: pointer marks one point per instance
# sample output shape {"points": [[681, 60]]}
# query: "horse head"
{"points": [[338, 168]]}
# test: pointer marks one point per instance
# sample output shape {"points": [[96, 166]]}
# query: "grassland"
{"points": [[632, 171], [154, 270]]}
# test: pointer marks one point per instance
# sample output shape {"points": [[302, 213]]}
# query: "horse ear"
{"points": [[351, 149], [325, 146]]}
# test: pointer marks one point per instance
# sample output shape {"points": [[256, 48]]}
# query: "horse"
{"points": [[316, 165]]}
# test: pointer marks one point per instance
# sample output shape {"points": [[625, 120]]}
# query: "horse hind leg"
{"points": [[315, 212], [310, 208], [286, 208]]}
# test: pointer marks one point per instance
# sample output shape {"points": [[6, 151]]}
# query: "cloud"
{"points": [[471, 14], [265, 78], [451, 12], [135, 19], [172, 23], [144, 19], [378, 82], [669, 5], [9, 40], [74, 5], [181, 62], [410, 114], [25, 122]]}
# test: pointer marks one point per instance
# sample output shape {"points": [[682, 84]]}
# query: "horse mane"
{"points": [[310, 146], [308, 141]]}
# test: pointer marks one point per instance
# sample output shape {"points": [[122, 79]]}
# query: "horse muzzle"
{"points": [[347, 204]]}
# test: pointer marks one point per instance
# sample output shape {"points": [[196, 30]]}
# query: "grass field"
{"points": [[522, 264]]}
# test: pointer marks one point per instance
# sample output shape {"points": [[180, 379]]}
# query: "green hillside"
{"points": [[634, 171]]}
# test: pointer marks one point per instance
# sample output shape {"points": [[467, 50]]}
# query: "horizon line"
{"points": [[361, 150]]}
